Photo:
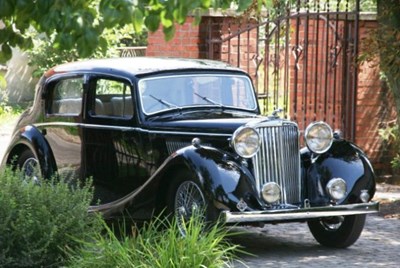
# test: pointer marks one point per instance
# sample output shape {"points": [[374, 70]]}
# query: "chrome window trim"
{"points": [[96, 126], [196, 106]]}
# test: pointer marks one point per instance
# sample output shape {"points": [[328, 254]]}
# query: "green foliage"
{"points": [[158, 244], [39, 222], [8, 113], [79, 26], [388, 38], [44, 54], [391, 134], [388, 47]]}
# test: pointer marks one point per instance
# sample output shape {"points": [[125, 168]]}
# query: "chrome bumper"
{"points": [[299, 214]]}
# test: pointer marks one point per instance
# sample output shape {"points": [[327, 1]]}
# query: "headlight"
{"points": [[336, 188], [319, 137], [246, 141]]}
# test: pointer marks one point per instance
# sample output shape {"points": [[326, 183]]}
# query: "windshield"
{"points": [[172, 92]]}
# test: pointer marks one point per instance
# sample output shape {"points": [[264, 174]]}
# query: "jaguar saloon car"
{"points": [[186, 136]]}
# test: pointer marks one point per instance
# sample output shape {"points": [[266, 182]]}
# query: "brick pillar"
{"points": [[375, 108]]}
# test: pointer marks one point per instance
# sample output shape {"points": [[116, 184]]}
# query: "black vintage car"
{"points": [[187, 135]]}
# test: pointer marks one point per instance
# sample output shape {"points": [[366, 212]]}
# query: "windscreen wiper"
{"points": [[208, 99], [166, 103]]}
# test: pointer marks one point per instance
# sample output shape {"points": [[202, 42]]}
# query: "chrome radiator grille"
{"points": [[278, 159]]}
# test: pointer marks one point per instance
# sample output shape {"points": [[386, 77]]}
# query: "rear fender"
{"points": [[31, 138]]}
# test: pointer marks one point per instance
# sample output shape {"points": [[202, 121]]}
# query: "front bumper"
{"points": [[299, 214]]}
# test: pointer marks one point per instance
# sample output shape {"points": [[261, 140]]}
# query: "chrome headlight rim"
{"points": [[246, 141], [336, 188], [271, 192], [311, 139]]}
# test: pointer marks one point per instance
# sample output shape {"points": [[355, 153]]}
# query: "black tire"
{"points": [[29, 166], [186, 199], [338, 232]]}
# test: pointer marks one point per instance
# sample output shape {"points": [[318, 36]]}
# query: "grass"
{"points": [[159, 244]]}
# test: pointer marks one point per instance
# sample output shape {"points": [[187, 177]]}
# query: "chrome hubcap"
{"points": [[333, 224]]}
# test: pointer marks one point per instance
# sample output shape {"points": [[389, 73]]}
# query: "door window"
{"points": [[112, 98], [67, 97]]}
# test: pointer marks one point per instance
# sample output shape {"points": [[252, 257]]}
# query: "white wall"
{"points": [[20, 84]]}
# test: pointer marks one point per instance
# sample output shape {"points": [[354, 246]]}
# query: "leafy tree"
{"points": [[79, 24], [388, 46], [388, 49], [43, 55]]}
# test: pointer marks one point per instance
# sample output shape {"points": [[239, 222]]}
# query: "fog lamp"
{"points": [[336, 188], [364, 196], [271, 192]]}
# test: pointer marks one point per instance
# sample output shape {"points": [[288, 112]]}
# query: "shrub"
{"points": [[391, 135], [158, 244], [38, 223]]}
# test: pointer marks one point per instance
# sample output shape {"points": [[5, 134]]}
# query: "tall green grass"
{"points": [[159, 244]]}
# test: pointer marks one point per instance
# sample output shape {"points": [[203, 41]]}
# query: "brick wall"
{"points": [[189, 42]]}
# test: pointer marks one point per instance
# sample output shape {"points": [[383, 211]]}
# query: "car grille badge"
{"points": [[241, 205]]}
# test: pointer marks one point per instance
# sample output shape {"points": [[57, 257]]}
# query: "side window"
{"points": [[67, 96], [112, 98]]}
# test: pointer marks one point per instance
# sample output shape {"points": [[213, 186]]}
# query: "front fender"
{"points": [[344, 160], [224, 179], [29, 137]]}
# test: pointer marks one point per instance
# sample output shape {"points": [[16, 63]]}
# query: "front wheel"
{"points": [[187, 200], [337, 232]]}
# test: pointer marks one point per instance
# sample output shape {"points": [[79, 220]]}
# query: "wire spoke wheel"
{"points": [[29, 166], [189, 201]]}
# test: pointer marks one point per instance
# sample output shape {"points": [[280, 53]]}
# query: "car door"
{"points": [[114, 153], [61, 125]]}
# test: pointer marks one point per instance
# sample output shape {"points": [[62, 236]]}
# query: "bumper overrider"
{"points": [[299, 214]]}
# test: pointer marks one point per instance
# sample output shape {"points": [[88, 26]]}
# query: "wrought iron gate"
{"points": [[304, 61]]}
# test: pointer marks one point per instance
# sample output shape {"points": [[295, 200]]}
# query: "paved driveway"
{"points": [[292, 245]]}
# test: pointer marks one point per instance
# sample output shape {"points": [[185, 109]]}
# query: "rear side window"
{"points": [[67, 97], [112, 98]]}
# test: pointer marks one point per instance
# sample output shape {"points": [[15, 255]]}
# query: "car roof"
{"points": [[140, 65]]}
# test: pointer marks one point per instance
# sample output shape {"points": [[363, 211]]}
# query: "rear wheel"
{"points": [[338, 232], [29, 166]]}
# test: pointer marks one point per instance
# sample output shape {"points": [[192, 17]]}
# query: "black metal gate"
{"points": [[303, 61]]}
